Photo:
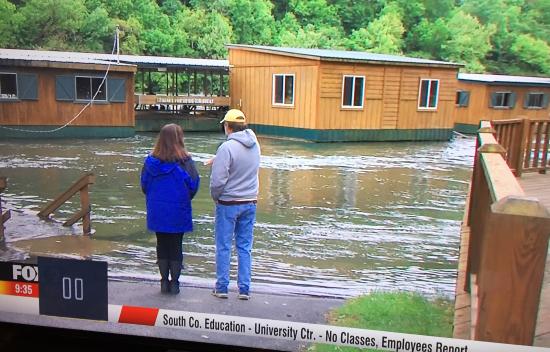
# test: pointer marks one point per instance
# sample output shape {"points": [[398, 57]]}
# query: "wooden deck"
{"points": [[538, 186], [534, 185]]}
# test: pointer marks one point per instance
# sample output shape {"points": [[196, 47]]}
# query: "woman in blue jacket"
{"points": [[169, 180]]}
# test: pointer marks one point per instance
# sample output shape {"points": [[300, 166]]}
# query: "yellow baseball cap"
{"points": [[234, 115]]}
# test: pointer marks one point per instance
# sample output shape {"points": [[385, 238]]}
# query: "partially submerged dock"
{"points": [[503, 284]]}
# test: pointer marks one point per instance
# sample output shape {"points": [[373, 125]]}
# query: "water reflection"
{"points": [[333, 219]]}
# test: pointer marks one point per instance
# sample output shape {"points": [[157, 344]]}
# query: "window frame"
{"points": [[535, 107], [428, 108], [458, 104], [16, 87], [273, 94], [76, 99], [353, 107], [509, 92]]}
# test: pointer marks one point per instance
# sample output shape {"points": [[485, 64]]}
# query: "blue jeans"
{"points": [[234, 221]]}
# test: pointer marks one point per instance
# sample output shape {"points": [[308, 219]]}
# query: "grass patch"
{"points": [[402, 312]]}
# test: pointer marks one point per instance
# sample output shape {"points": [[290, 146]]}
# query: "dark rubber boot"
{"points": [[164, 269], [175, 271]]}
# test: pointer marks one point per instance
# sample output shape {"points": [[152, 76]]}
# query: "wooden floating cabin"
{"points": [[44, 90], [311, 94], [499, 97], [331, 95]]}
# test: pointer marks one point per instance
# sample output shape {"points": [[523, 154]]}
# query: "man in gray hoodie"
{"points": [[234, 188]]}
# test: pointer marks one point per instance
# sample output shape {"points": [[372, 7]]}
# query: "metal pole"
{"points": [[117, 45]]}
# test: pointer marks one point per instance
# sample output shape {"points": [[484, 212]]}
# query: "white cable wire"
{"points": [[115, 44]]}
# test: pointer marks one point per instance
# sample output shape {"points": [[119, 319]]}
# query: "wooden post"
{"points": [[545, 147], [176, 80], [143, 82], [85, 206], [3, 216], [79, 186], [188, 82], [508, 246], [510, 275]]}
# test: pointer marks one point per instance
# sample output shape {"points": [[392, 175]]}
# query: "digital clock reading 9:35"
{"points": [[23, 289]]}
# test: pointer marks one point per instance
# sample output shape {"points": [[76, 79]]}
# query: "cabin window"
{"points": [[8, 85], [428, 94], [535, 100], [503, 100], [462, 98], [352, 91], [283, 89], [86, 87]]}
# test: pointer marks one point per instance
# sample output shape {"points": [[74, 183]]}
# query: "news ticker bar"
{"points": [[280, 329]]}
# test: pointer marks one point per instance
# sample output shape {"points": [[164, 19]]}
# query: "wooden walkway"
{"points": [[538, 186], [534, 185]]}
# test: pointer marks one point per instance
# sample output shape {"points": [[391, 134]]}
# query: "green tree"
{"points": [[356, 14], [171, 7], [221, 6], [533, 52], [535, 19], [97, 31], [157, 32], [434, 9], [252, 21], [468, 42], [130, 34], [280, 9], [426, 39], [383, 35], [506, 16], [51, 24], [411, 11], [312, 37], [316, 12], [8, 24], [206, 32], [121, 9]]}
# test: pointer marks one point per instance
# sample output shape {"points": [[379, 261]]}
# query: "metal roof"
{"points": [[105, 59], [342, 55], [503, 79], [53, 56]]}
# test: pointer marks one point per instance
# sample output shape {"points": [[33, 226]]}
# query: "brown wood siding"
{"points": [[479, 109], [331, 113], [251, 76], [391, 97], [410, 116], [48, 111]]}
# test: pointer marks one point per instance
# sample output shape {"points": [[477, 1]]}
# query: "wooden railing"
{"points": [[507, 251], [84, 213], [3, 216], [526, 143]]}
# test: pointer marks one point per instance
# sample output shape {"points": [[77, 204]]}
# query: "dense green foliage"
{"points": [[501, 36]]}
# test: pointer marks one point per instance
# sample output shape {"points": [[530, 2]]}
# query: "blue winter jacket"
{"points": [[169, 188]]}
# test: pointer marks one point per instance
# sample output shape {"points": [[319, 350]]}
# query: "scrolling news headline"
{"points": [[20, 292]]}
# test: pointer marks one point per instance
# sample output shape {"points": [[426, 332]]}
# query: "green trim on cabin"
{"points": [[355, 135], [466, 128], [188, 124], [67, 132]]}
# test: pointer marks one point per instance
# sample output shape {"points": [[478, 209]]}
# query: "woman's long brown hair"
{"points": [[170, 146]]}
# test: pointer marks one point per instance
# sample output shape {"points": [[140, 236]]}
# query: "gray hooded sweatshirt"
{"points": [[235, 168]]}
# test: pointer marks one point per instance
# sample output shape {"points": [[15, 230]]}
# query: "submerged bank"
{"points": [[333, 220]]}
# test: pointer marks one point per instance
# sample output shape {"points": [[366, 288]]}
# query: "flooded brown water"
{"points": [[333, 219]]}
